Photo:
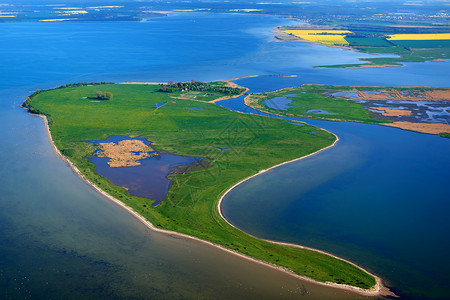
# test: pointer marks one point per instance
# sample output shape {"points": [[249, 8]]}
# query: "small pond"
{"points": [[148, 180]]}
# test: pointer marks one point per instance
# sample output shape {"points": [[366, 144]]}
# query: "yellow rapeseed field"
{"points": [[418, 37], [329, 37]]}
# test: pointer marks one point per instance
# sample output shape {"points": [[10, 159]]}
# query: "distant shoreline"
{"points": [[279, 34]]}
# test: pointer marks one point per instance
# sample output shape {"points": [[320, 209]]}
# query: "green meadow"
{"points": [[316, 97], [254, 143]]}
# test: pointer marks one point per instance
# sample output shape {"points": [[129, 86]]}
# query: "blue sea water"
{"points": [[60, 238]]}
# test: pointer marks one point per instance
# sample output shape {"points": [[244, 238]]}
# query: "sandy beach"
{"points": [[377, 290]]}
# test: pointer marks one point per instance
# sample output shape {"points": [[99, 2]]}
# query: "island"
{"points": [[225, 147]]}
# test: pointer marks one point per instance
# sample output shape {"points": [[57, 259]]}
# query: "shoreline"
{"points": [[253, 76], [378, 290]]}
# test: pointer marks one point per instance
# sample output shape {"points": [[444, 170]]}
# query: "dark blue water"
{"points": [[320, 112], [378, 198], [149, 179], [278, 103], [345, 94], [61, 239], [157, 105]]}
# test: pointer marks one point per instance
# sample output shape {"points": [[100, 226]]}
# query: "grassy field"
{"points": [[367, 41], [428, 44], [311, 97], [254, 143]]}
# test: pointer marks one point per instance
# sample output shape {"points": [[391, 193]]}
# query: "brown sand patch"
{"points": [[232, 84], [433, 95], [126, 153], [437, 95], [252, 101], [388, 112], [432, 128]]}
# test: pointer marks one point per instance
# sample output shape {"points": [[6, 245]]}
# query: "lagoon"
{"points": [[149, 179]]}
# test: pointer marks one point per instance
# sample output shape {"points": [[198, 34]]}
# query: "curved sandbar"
{"points": [[231, 232], [379, 288]]}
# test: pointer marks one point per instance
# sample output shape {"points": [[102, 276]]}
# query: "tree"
{"points": [[104, 96], [171, 82]]}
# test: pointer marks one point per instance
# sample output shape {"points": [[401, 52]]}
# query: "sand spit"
{"points": [[377, 290]]}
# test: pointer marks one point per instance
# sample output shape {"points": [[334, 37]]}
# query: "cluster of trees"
{"points": [[104, 96], [199, 86]]}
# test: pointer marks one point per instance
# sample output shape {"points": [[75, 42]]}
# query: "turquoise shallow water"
{"points": [[60, 238]]}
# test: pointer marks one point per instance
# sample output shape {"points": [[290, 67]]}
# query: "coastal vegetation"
{"points": [[308, 101], [237, 146], [198, 86], [377, 105]]}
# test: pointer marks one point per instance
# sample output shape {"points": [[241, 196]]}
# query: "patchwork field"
{"points": [[410, 47]]}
